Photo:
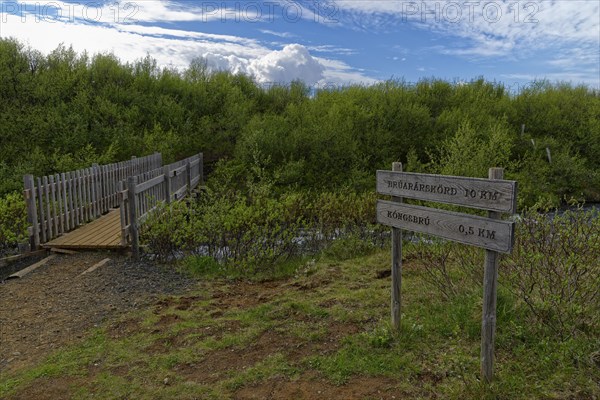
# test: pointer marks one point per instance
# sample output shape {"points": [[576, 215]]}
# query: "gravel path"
{"points": [[55, 304]]}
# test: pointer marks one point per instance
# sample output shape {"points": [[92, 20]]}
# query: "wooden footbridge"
{"points": [[102, 207]]}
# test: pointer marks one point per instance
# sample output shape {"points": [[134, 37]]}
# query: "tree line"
{"points": [[66, 110]]}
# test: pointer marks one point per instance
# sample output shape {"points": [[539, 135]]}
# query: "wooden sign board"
{"points": [[485, 194], [491, 234]]}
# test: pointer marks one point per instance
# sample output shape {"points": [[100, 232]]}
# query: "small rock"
{"points": [[166, 381]]}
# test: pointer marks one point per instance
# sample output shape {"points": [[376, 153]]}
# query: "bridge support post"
{"points": [[32, 217], [188, 177], [133, 222], [201, 169], [167, 174]]}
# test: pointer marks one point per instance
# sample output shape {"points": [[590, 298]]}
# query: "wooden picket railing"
{"points": [[139, 195], [60, 203]]}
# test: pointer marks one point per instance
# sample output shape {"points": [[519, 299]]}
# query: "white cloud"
{"points": [[177, 47], [338, 73], [278, 34], [332, 49], [293, 62]]}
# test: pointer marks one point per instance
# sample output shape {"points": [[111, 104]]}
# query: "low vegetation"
{"points": [[95, 108], [322, 328]]}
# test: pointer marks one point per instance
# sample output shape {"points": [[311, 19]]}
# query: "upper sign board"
{"points": [[484, 194]]}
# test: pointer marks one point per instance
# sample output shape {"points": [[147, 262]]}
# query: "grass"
{"points": [[322, 328]]}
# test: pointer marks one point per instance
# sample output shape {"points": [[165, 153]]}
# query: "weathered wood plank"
{"points": [[133, 224], [201, 168], [93, 193], [88, 194], [62, 251], [65, 202], [177, 171], [81, 197], [95, 266], [10, 259], [149, 184], [31, 268], [104, 232], [60, 222], [180, 194], [478, 193], [464, 228], [55, 216], [32, 215], [43, 225], [71, 214], [48, 213], [77, 196]]}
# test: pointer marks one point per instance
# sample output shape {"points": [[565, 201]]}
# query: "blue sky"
{"points": [[330, 42]]}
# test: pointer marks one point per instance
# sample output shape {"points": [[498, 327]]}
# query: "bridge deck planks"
{"points": [[103, 233]]}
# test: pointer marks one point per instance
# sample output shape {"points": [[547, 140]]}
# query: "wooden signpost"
{"points": [[491, 233]]}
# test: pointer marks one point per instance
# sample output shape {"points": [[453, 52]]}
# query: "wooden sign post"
{"points": [[493, 234], [396, 264]]}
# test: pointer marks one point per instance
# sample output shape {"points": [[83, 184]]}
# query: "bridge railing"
{"points": [[139, 195], [59, 203]]}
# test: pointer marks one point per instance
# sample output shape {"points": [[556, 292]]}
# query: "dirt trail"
{"points": [[56, 305]]}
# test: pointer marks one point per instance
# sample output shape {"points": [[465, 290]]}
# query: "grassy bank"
{"points": [[322, 332]]}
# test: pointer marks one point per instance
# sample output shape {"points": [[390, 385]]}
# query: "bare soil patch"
{"points": [[309, 386], [56, 305]]}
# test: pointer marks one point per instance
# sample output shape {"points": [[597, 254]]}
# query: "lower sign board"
{"points": [[478, 231]]}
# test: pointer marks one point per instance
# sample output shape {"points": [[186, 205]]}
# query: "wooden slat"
{"points": [[105, 232], [31, 268], [76, 196], [89, 201], [92, 231], [79, 197], [93, 197], [48, 213], [179, 194], [464, 228], [149, 184], [32, 214], [485, 194], [42, 213], [104, 171], [177, 171], [52, 199], [59, 190], [95, 266], [65, 202]]}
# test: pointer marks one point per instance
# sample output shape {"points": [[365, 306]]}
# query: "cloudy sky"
{"points": [[330, 42]]}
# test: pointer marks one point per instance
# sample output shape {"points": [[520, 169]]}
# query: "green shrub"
{"points": [[348, 247], [13, 220], [201, 266], [247, 226], [166, 231], [555, 270], [471, 152]]}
